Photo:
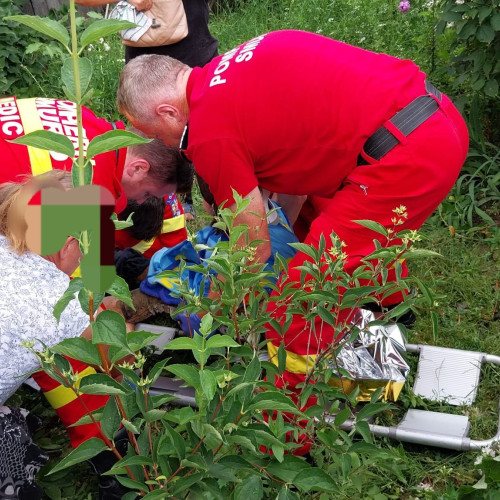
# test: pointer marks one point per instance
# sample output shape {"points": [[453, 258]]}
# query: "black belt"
{"points": [[406, 121]]}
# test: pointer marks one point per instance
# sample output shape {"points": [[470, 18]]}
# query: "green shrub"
{"points": [[23, 58]]}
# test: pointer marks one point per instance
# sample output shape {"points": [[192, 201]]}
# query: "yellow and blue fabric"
{"points": [[168, 259]]}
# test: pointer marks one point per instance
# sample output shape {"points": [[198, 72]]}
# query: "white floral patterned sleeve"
{"points": [[30, 286]]}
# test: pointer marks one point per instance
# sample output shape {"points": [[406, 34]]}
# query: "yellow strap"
{"points": [[169, 226], [39, 158], [61, 396], [295, 363]]}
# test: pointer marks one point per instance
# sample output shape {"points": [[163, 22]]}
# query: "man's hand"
{"points": [[254, 216]]}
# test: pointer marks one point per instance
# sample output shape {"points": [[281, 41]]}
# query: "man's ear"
{"points": [[136, 169], [167, 111]]}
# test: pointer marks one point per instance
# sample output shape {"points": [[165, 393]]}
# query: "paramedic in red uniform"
{"points": [[137, 172], [134, 173], [300, 114]]}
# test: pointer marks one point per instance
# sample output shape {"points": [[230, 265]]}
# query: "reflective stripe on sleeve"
{"points": [[39, 158]]}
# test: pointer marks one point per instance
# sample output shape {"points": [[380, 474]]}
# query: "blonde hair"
{"points": [[15, 195]]}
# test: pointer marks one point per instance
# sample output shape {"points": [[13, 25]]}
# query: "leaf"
{"points": [[425, 291], [485, 33], [88, 449], [44, 25], [273, 400], [130, 426], [364, 429], [278, 452], [68, 75], [342, 416], [119, 289], [451, 16], [435, 327], [50, 141], [491, 88], [102, 29], [307, 249], [109, 329], [112, 140], [374, 226], [252, 371], [188, 373], [138, 339], [74, 286], [213, 438], [122, 224], [314, 479], [420, 253], [286, 494], [288, 469], [154, 415], [218, 471], [250, 488], [326, 316], [495, 21], [208, 384], [242, 441], [371, 409], [176, 441], [221, 341], [181, 343], [281, 358], [110, 419], [102, 384], [79, 348], [180, 486], [155, 372], [88, 172], [84, 298], [132, 485], [162, 399], [119, 467]]}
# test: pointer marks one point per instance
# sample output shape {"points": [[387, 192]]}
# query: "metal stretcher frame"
{"points": [[443, 374]]}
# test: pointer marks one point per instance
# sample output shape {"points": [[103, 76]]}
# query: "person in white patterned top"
{"points": [[31, 286]]}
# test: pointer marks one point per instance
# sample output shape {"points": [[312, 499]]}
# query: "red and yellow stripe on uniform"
{"points": [[68, 407]]}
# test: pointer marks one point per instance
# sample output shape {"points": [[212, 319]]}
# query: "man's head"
{"points": [[153, 169], [152, 95]]}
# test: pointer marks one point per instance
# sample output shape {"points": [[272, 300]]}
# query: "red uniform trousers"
{"points": [[417, 173]]}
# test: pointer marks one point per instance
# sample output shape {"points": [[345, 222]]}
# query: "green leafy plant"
{"points": [[476, 47], [215, 450], [18, 45]]}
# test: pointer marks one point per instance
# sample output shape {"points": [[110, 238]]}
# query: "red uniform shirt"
{"points": [[172, 233], [21, 116], [289, 111]]}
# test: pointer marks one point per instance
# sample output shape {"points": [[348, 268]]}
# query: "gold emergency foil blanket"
{"points": [[373, 360]]}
